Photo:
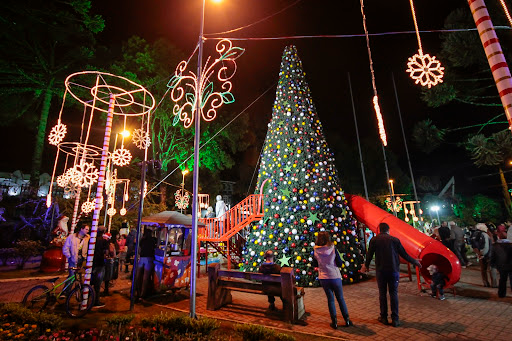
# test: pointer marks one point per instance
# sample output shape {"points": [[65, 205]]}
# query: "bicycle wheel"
{"points": [[74, 301], [36, 298]]}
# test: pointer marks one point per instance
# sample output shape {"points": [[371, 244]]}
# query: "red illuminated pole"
{"points": [[494, 53]]}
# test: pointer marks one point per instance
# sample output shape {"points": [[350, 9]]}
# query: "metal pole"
{"points": [[137, 237], [393, 203], [387, 171], [99, 195], [406, 148], [194, 250], [357, 135]]}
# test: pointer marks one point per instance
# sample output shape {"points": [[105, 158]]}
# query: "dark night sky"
{"points": [[326, 61]]}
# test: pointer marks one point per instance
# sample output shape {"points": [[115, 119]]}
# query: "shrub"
{"points": [[24, 249], [13, 312], [250, 332], [180, 324], [119, 321]]}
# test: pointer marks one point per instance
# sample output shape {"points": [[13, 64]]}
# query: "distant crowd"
{"points": [[491, 244]]}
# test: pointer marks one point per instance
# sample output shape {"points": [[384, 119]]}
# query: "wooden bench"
{"points": [[222, 282]]}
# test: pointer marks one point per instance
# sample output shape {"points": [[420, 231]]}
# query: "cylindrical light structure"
{"points": [[494, 53]]}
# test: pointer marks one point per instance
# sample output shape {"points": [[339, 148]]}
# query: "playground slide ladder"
{"points": [[225, 233]]}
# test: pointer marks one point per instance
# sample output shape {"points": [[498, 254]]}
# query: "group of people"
{"points": [[491, 244], [387, 250], [112, 252]]}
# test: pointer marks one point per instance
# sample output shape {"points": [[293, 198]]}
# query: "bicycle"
{"points": [[40, 296]]}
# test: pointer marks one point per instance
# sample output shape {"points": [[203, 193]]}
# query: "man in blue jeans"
{"points": [[387, 250]]}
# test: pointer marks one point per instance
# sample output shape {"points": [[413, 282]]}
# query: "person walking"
{"points": [[481, 243], [387, 250], [98, 265], [75, 248], [501, 258], [457, 235], [330, 277], [146, 263]]}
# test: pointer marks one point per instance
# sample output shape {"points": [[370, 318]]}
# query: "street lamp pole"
{"points": [[183, 172], [393, 203], [194, 246]]}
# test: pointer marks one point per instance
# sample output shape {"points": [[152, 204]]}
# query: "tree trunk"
{"points": [[163, 193], [506, 194], [41, 133]]}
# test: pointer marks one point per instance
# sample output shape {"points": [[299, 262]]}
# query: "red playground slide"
{"points": [[417, 244]]}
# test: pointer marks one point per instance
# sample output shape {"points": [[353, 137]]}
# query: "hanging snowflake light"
{"points": [[57, 134], [86, 174], [122, 211], [73, 175], [423, 68], [110, 199], [88, 206], [111, 211], [62, 180], [182, 199], [141, 139], [121, 157], [71, 190]]}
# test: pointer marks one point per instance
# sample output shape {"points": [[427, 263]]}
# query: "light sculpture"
{"points": [[424, 68], [115, 96]]}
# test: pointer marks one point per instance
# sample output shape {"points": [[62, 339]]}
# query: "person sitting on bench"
{"points": [[268, 267]]}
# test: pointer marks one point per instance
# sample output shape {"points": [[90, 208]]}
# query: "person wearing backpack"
{"points": [[481, 243]]}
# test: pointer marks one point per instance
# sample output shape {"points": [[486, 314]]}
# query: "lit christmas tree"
{"points": [[302, 195]]}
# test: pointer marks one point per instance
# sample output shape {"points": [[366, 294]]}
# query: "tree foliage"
{"points": [[41, 43], [427, 136], [490, 151]]}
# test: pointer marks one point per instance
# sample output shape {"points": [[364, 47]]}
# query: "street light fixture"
{"points": [[393, 197], [436, 209]]}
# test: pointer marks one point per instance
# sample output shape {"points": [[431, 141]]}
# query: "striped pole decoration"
{"points": [[495, 57], [74, 219], [99, 194]]}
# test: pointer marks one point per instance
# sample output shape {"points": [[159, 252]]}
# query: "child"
{"points": [[438, 282]]}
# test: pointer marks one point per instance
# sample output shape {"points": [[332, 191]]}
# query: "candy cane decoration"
{"points": [[494, 53], [99, 194]]}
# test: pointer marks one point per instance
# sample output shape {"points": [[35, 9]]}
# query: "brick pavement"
{"points": [[476, 313]]}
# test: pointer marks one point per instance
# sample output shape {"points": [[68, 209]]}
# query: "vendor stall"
{"points": [[172, 255]]}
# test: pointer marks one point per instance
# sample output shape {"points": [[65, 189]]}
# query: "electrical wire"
{"points": [[330, 36], [254, 23]]}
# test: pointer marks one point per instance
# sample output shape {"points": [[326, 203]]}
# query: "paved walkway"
{"points": [[476, 313]]}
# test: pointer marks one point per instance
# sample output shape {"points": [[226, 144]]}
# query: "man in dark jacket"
{"points": [[445, 235], [98, 265], [387, 250], [268, 267], [146, 262], [501, 258]]}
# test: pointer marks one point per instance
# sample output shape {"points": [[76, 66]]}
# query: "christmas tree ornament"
{"points": [[423, 68]]}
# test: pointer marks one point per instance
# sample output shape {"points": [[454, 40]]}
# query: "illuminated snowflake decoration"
{"points": [[182, 199], [88, 206], [111, 211], [122, 211], [425, 69], [62, 180], [110, 199], [71, 190], [394, 206], [121, 157], [141, 139], [86, 174], [57, 134]]}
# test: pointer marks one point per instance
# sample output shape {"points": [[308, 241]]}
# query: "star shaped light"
{"points": [[284, 260]]}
